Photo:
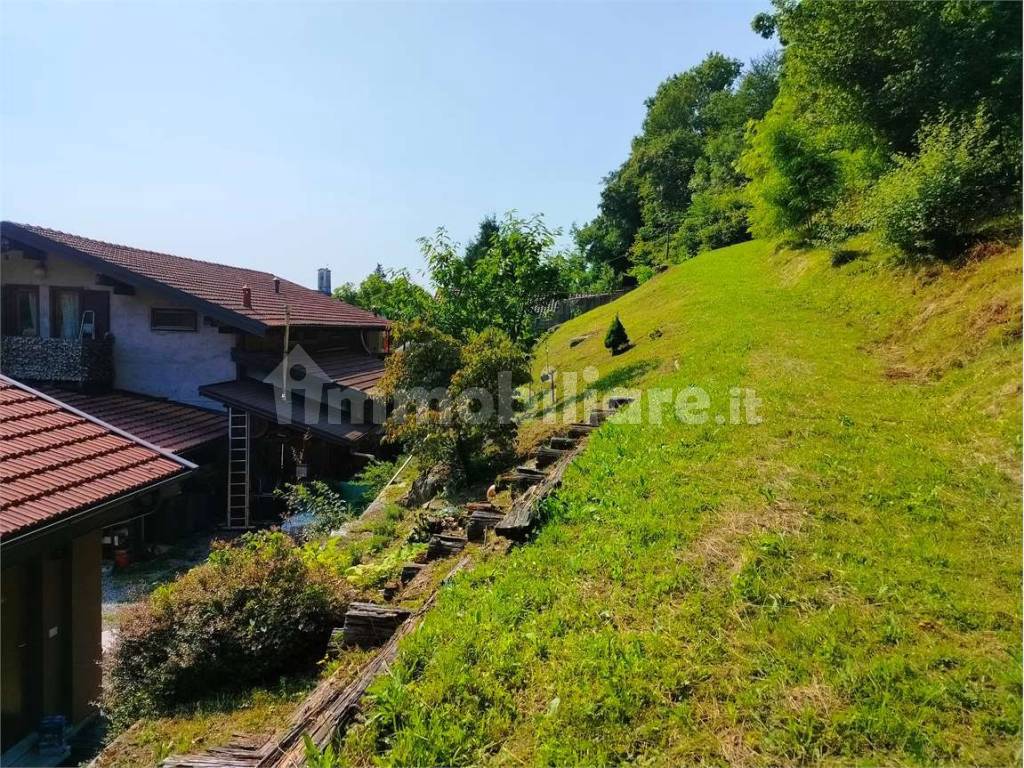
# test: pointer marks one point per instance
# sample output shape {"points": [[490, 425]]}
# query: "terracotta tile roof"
{"points": [[258, 398], [55, 460], [171, 426], [215, 284]]}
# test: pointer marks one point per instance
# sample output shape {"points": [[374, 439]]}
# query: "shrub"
{"points": [[616, 339], [328, 509], [935, 204], [254, 610], [714, 220], [467, 423], [374, 476]]}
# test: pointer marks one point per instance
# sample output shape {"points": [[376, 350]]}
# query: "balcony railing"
{"points": [[81, 362]]}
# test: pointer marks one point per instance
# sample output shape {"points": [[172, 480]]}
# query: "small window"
{"points": [[174, 320]]}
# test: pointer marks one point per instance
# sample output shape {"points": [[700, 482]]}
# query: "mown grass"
{"points": [[838, 583]]}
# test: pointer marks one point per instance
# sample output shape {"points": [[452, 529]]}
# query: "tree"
{"points": [[503, 287], [478, 248], [391, 293], [616, 339], [864, 86], [692, 136], [453, 413]]}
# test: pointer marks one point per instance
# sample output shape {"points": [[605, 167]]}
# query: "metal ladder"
{"points": [[238, 468]]}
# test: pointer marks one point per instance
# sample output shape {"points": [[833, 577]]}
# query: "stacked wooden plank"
{"points": [[482, 516], [444, 545], [368, 625], [547, 455], [410, 571], [581, 429]]}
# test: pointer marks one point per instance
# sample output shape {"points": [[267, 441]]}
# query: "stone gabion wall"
{"points": [[34, 358]]}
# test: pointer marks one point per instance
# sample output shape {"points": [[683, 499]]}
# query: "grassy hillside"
{"points": [[839, 582]]}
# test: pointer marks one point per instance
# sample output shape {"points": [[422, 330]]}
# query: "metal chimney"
{"points": [[323, 280]]}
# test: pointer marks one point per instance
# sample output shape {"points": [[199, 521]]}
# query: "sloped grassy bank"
{"points": [[840, 581]]}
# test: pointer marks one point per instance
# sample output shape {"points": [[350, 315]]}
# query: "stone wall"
{"points": [[558, 311], [69, 361]]}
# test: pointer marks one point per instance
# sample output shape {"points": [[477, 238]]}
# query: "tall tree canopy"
{"points": [[679, 188]]}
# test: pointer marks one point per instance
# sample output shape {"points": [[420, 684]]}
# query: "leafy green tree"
{"points": [[864, 86], [460, 415], [503, 287], [391, 293], [692, 137]]}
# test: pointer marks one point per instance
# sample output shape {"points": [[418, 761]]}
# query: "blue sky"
{"points": [[286, 136]]}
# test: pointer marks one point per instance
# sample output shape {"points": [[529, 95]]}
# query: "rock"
{"points": [[431, 483]]}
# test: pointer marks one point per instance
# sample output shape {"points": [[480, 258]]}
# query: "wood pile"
{"points": [[368, 625]]}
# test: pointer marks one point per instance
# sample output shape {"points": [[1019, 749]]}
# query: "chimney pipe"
{"points": [[323, 280], [277, 285], [246, 297]]}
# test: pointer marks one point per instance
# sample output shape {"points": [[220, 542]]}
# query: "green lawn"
{"points": [[839, 583]]}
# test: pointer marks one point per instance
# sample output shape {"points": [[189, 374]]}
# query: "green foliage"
{"points": [[616, 338], [465, 419], [254, 610], [384, 569], [680, 187], [865, 86], [795, 177], [423, 357], [328, 508], [373, 478], [714, 220], [479, 247], [502, 286], [934, 204], [391, 293]]}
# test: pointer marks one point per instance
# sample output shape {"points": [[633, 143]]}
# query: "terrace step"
{"points": [[369, 625]]}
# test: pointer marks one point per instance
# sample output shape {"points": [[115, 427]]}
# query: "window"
{"points": [[21, 310], [79, 313], [66, 313], [173, 320]]}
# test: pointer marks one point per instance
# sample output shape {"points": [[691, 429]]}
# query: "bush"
{"points": [[328, 509], [616, 339], [254, 610], [936, 204], [714, 220]]}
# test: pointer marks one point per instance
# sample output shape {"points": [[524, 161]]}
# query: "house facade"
{"points": [[99, 318]]}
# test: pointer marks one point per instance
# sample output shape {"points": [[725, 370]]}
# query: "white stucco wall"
{"points": [[171, 364]]}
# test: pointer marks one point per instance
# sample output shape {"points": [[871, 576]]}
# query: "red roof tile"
{"points": [[216, 284], [55, 460], [172, 426]]}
